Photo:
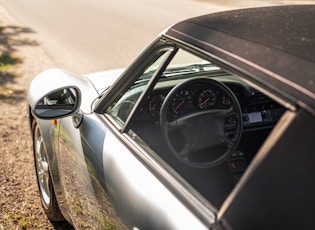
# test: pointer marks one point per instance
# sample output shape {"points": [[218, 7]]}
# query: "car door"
{"points": [[144, 193], [81, 173], [115, 185], [139, 192], [111, 181]]}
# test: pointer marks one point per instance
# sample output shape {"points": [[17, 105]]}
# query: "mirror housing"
{"points": [[56, 93]]}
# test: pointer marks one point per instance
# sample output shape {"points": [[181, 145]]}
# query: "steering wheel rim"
{"points": [[190, 137]]}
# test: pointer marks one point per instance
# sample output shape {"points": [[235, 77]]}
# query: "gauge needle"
{"points": [[180, 104], [205, 101]]}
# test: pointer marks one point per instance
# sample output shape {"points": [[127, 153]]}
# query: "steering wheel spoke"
{"points": [[171, 125]]}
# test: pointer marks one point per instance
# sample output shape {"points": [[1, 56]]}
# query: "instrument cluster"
{"points": [[192, 99]]}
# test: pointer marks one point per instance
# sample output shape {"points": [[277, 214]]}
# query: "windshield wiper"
{"points": [[195, 68]]}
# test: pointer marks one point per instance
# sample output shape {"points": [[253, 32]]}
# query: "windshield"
{"points": [[148, 73], [185, 63]]}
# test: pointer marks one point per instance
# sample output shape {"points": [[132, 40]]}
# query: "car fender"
{"points": [[104, 79]]}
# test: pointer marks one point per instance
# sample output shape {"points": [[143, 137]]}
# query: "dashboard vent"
{"points": [[258, 97], [259, 102]]}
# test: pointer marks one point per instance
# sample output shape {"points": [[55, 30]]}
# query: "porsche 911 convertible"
{"points": [[211, 127]]}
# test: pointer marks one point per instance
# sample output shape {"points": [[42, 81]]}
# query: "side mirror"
{"points": [[60, 103]]}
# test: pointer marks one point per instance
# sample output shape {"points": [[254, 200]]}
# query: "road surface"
{"points": [[93, 35]]}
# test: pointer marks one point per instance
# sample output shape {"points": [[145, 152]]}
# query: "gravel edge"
{"points": [[20, 206]]}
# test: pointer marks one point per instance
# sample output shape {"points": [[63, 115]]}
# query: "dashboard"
{"points": [[258, 110]]}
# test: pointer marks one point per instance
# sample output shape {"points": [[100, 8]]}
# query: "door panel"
{"points": [[102, 187], [139, 196], [82, 180]]}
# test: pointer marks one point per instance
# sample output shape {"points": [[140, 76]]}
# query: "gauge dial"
{"points": [[182, 102], [207, 99], [155, 103]]}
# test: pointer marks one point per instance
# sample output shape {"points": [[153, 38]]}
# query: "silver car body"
{"points": [[106, 176]]}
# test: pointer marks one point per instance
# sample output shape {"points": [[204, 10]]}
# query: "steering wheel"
{"points": [[199, 138]]}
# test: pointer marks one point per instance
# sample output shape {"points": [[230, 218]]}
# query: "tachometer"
{"points": [[207, 99], [182, 102]]}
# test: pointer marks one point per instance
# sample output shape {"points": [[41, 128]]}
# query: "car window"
{"points": [[197, 119], [122, 107], [184, 65]]}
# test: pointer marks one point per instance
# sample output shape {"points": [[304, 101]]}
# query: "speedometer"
{"points": [[207, 99]]}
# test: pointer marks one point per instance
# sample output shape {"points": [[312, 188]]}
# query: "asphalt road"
{"points": [[93, 35]]}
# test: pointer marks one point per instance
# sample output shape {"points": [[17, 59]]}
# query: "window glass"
{"points": [[123, 106], [183, 66], [198, 112]]}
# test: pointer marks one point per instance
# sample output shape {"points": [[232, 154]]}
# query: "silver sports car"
{"points": [[211, 127]]}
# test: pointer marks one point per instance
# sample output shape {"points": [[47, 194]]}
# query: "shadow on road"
{"points": [[11, 37]]}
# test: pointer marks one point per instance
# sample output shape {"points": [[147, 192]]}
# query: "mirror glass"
{"points": [[57, 104]]}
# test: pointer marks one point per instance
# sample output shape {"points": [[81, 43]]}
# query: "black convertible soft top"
{"points": [[274, 44]]}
